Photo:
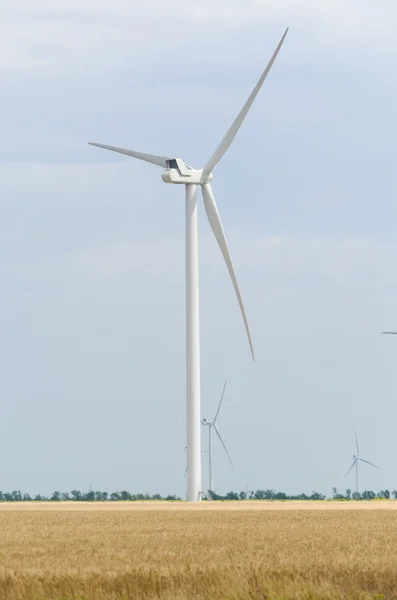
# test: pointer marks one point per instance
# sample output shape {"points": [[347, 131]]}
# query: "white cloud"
{"points": [[95, 36]]}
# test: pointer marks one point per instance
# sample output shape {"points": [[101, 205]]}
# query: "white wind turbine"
{"points": [[214, 424], [356, 460], [179, 172]]}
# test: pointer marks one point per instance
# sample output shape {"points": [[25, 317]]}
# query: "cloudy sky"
{"points": [[92, 243]]}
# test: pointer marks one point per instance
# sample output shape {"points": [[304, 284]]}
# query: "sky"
{"points": [[92, 272]]}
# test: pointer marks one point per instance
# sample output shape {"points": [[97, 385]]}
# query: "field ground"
{"points": [[237, 505], [221, 551]]}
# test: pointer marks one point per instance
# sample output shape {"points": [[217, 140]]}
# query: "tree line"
{"points": [[98, 496]]}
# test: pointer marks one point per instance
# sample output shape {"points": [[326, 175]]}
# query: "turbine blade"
{"points": [[358, 450], [232, 131], [151, 158], [220, 402], [216, 226], [354, 462], [369, 463], [223, 443], [390, 332], [185, 473]]}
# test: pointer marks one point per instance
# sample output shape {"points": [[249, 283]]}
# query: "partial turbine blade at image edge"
{"points": [[220, 402], [216, 226], [223, 444], [233, 129], [150, 158]]}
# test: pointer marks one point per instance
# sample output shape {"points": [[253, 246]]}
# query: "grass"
{"points": [[197, 554]]}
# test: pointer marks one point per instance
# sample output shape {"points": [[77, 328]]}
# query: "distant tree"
{"points": [[39, 498], [231, 496], [259, 495], [368, 495], [356, 496], [348, 494], [89, 496], [139, 497], [98, 496], [316, 496], [385, 494], [336, 495], [281, 496], [101, 496]]}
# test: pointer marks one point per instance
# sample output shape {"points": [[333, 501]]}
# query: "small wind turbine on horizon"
{"points": [[214, 424], [356, 460], [179, 172]]}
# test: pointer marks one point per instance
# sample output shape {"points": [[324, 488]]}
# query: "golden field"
{"points": [[237, 550]]}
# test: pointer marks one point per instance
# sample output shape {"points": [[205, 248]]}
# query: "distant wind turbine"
{"points": [[214, 424], [177, 171], [356, 460]]}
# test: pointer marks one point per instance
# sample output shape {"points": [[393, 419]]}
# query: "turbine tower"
{"points": [[356, 460], [214, 424], [178, 172]]}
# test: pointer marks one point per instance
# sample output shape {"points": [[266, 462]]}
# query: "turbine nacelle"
{"points": [[179, 172], [205, 422]]}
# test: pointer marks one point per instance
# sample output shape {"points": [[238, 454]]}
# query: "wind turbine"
{"points": [[214, 424], [178, 172], [389, 332], [356, 460]]}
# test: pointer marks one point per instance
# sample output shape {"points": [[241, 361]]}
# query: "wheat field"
{"points": [[247, 551]]}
